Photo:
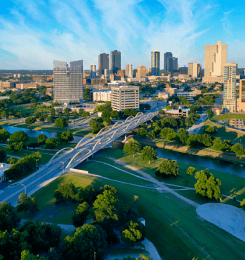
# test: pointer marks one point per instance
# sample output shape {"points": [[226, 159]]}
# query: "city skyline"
{"points": [[33, 34]]}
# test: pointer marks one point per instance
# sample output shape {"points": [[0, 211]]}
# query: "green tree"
{"points": [[12, 160], [66, 192], [30, 120], [84, 242], [115, 114], [42, 138], [19, 136], [8, 217], [131, 147], [4, 135], [26, 255], [87, 94], [15, 147], [237, 149], [2, 154], [211, 130], [51, 143], [66, 136], [191, 171], [133, 233], [67, 111], [61, 122], [142, 131], [167, 168], [209, 112], [242, 204], [207, 185], [27, 204], [148, 154], [80, 215]]}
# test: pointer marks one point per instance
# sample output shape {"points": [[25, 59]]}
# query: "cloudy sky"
{"points": [[34, 33]]}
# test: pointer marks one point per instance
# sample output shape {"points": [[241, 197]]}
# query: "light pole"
{"points": [[63, 167], [24, 187], [8, 140], [36, 163]]}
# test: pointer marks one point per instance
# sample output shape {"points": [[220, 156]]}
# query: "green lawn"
{"points": [[227, 117], [171, 224], [223, 133]]}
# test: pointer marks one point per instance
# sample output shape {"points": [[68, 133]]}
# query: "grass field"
{"points": [[227, 117], [223, 133], [171, 224]]}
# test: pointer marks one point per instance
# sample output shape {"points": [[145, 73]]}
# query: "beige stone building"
{"points": [[241, 99], [27, 85], [194, 70], [163, 95], [216, 111], [6, 84], [141, 72], [215, 59], [124, 97], [102, 95]]}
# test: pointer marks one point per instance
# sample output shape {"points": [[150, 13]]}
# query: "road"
{"points": [[71, 157], [198, 125]]}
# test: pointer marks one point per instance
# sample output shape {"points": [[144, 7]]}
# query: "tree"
{"points": [[42, 138], [191, 171], [80, 214], [66, 136], [87, 94], [84, 242], [96, 127], [134, 232], [66, 192], [106, 207], [130, 112], [67, 111], [12, 160], [2, 154], [148, 154], [87, 194], [27, 204], [114, 114], [50, 119], [209, 112], [4, 135], [142, 131], [131, 147], [237, 149], [211, 130], [220, 145], [61, 122], [207, 185], [51, 143], [33, 145], [30, 120], [19, 136], [167, 168], [8, 217], [15, 147], [242, 204], [26, 255]]}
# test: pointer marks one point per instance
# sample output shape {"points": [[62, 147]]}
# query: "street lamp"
{"points": [[24, 187], [8, 140], [36, 163]]}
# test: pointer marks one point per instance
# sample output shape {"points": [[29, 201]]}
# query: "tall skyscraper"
{"points": [[68, 81], [194, 70], [129, 70], [215, 59], [174, 64], [92, 71], [166, 56], [141, 72], [229, 98], [155, 63], [115, 61], [103, 62], [241, 105]]}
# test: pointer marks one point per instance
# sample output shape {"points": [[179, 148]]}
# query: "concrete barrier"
{"points": [[79, 171]]}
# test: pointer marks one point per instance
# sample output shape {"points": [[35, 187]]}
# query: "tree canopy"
{"points": [[148, 154], [167, 168], [8, 217], [131, 147]]}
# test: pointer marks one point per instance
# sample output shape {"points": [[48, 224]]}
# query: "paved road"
{"points": [[198, 125], [85, 149]]}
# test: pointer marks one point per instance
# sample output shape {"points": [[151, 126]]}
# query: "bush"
{"points": [[191, 170], [167, 168]]}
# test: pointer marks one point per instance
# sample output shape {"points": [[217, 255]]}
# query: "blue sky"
{"points": [[34, 33]]}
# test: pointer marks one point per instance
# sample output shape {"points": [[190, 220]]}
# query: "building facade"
{"points": [[103, 61], [68, 81], [155, 63], [115, 61], [129, 70], [229, 98], [92, 71], [124, 97], [167, 55], [102, 95], [215, 60], [194, 70], [141, 72], [241, 99]]}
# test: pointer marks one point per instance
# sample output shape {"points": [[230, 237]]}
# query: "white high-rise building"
{"points": [[194, 70], [215, 60], [68, 81], [129, 70]]}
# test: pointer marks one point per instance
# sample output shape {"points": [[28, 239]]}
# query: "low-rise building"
{"points": [[163, 95], [102, 95], [124, 97], [6, 84], [216, 111], [26, 85], [178, 112]]}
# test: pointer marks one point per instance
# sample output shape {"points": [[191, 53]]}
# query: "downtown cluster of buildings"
{"points": [[70, 79]]}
